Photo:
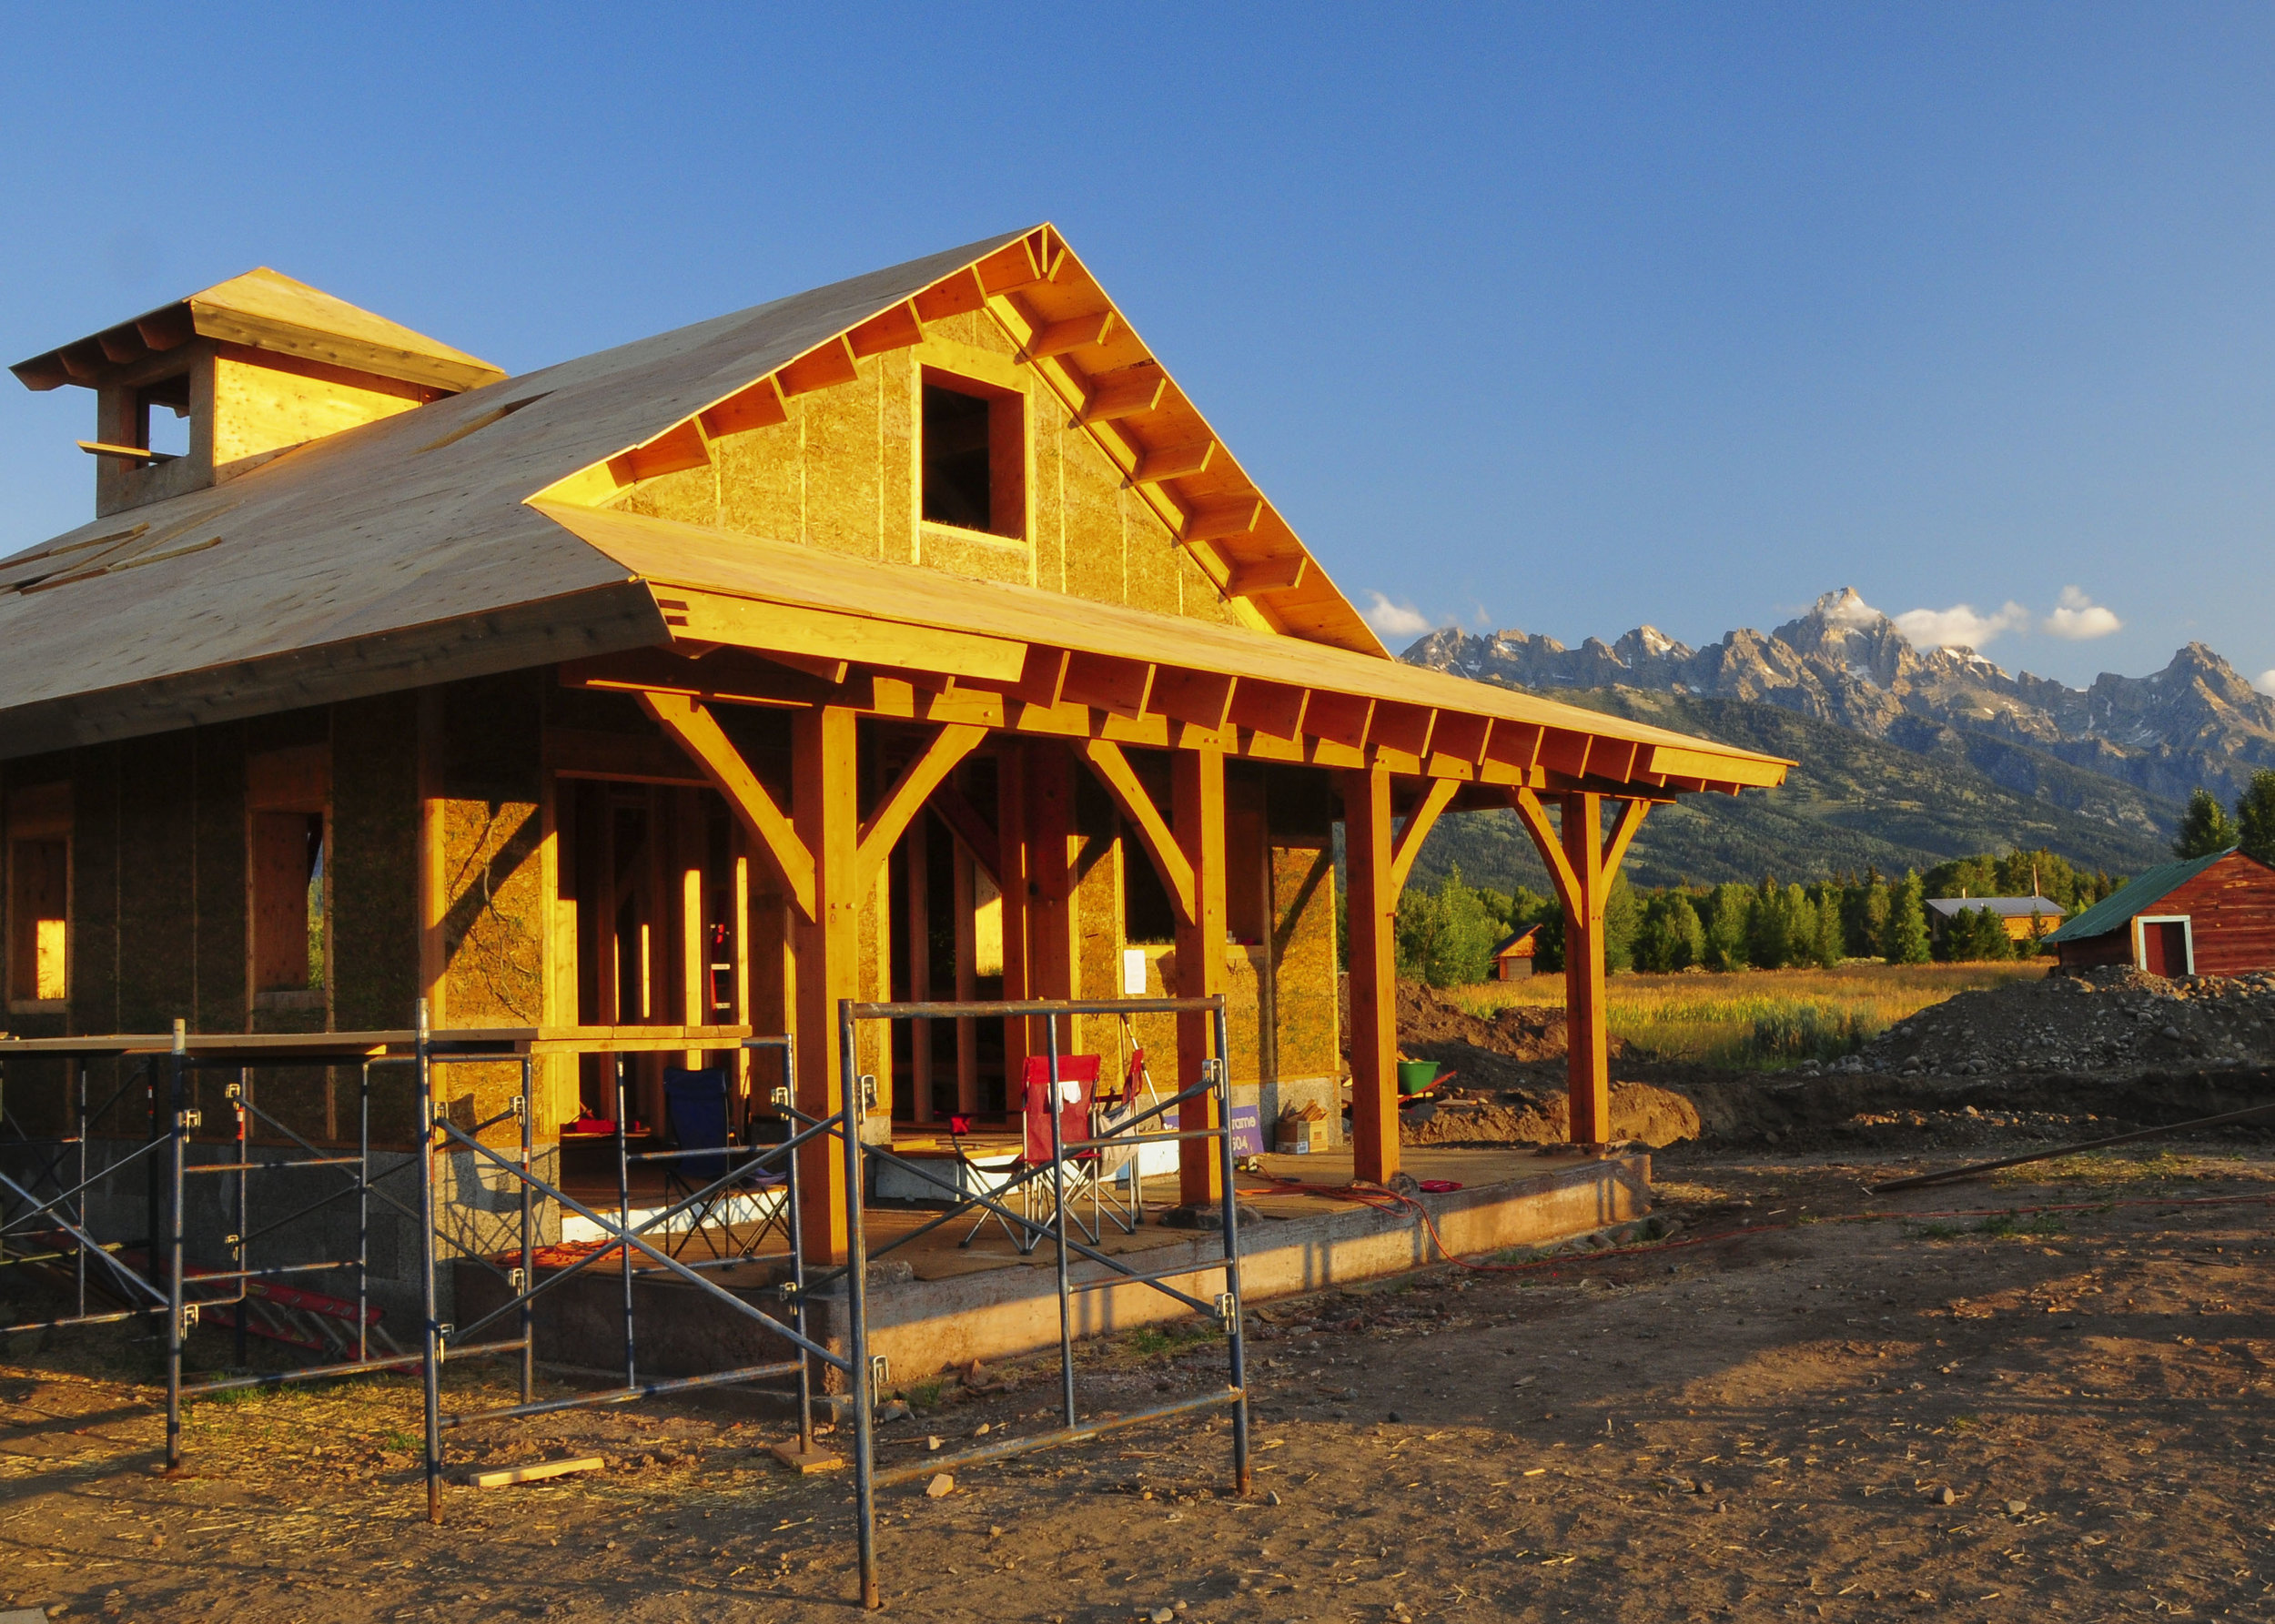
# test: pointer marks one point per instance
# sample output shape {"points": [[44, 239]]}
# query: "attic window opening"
{"points": [[975, 456], [162, 416]]}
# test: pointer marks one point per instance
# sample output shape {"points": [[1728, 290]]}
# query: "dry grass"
{"points": [[1766, 1018]]}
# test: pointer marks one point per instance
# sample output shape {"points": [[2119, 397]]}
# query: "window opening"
{"points": [[162, 413], [288, 935], [39, 884], [975, 458]]}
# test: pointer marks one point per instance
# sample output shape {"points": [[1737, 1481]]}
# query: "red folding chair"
{"points": [[1077, 1170]]}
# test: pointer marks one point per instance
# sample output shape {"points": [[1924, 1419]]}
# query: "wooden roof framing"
{"points": [[263, 310], [472, 536], [898, 640]]}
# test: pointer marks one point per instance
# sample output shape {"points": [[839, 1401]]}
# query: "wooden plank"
{"points": [[1587, 1068], [1565, 751], [675, 450], [538, 1473], [698, 732], [1339, 718], [1153, 830], [617, 758], [907, 796], [1010, 266]]}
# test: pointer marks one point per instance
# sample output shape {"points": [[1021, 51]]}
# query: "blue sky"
{"points": [[1559, 317]]}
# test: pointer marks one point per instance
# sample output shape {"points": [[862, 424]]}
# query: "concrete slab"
{"points": [[933, 1305]]}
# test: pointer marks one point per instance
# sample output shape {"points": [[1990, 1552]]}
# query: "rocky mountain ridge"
{"points": [[2196, 723]]}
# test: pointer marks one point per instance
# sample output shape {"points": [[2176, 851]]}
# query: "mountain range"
{"points": [[1907, 756], [2196, 723]]}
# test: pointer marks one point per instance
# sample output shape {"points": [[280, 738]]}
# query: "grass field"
{"points": [[1759, 1018]]}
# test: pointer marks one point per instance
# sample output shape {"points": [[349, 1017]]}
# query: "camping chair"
{"points": [[695, 1104], [1078, 1170], [1120, 1184]]}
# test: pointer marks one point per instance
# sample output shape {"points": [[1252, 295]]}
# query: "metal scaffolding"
{"points": [[45, 1199]]}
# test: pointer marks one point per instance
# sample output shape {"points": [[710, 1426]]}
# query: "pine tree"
{"points": [[2205, 828], [1905, 941], [2255, 817], [1689, 934], [1726, 928], [1832, 938]]}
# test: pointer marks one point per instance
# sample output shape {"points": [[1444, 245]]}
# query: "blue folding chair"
{"points": [[695, 1103]]}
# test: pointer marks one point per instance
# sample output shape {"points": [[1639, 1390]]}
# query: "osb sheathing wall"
{"points": [[842, 474]]}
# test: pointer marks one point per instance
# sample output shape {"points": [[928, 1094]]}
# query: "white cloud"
{"points": [[1846, 608], [2079, 618], [2265, 682], [1960, 626], [1395, 619]]}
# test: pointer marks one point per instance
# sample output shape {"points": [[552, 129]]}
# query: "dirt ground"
{"points": [[1967, 1412]]}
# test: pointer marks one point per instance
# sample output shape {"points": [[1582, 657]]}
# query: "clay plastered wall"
{"points": [[842, 474]]}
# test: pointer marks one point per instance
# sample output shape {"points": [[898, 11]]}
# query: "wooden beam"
{"points": [[698, 732], [907, 796], [1253, 577], [964, 822], [1370, 903], [761, 406], [1173, 462], [95, 448], [1123, 393], [677, 449], [1339, 718], [1565, 751], [1533, 815], [1416, 830], [717, 618], [896, 328], [1104, 684], [1201, 698], [1220, 520], [1402, 728], [1273, 708], [1009, 267], [824, 367], [1623, 836], [1043, 681], [1153, 830], [1059, 337], [955, 295]]}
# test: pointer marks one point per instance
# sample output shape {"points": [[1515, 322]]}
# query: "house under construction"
{"points": [[914, 637]]}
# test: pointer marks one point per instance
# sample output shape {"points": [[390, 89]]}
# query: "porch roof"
{"points": [[830, 614]]}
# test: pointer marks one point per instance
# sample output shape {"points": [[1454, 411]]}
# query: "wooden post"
{"points": [[967, 980], [1012, 870], [434, 903], [1587, 1057], [691, 848], [1197, 794], [917, 853], [826, 813], [1050, 784], [1370, 902]]}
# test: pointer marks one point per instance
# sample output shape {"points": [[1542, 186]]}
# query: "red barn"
{"points": [[2206, 916]]}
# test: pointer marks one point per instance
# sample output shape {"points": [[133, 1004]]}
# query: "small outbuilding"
{"points": [[2205, 916], [1512, 955], [2026, 918]]}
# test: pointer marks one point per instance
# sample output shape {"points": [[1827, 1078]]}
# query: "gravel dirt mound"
{"points": [[2098, 1020], [1656, 1116], [1428, 1021]]}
